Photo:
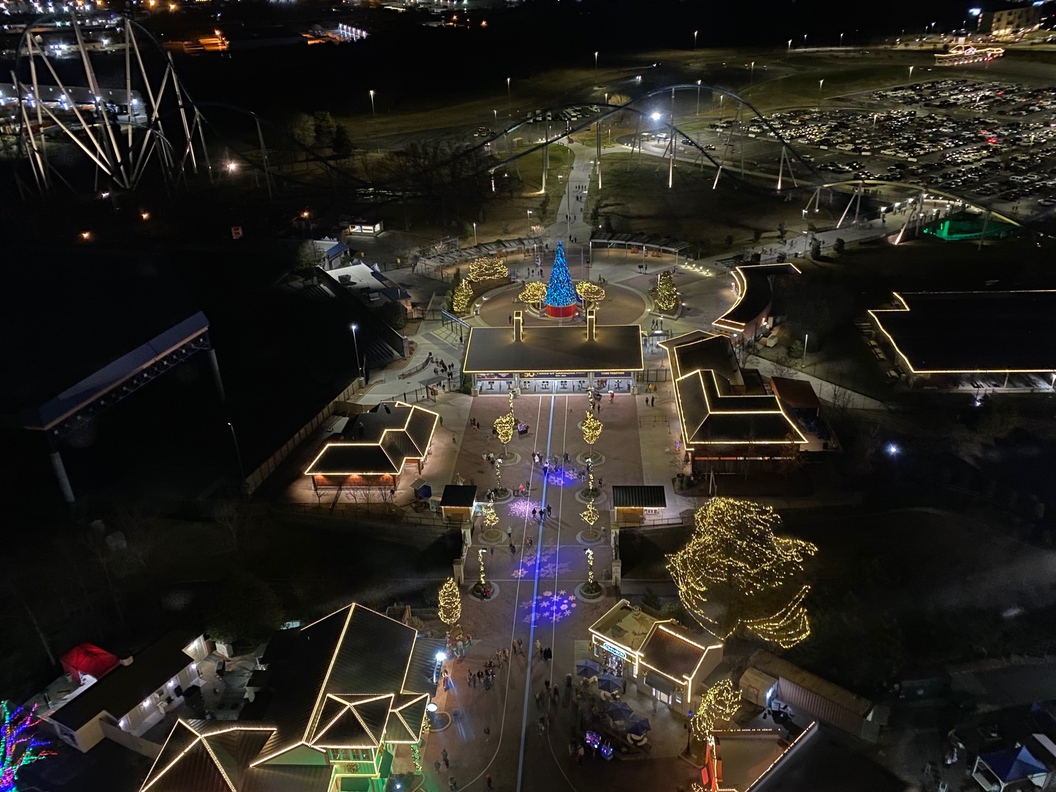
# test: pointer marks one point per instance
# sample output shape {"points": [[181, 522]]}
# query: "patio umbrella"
{"points": [[609, 683], [638, 725], [587, 668], [619, 710]]}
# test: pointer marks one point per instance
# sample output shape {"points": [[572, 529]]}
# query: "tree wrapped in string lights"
{"points": [[736, 574], [533, 293], [719, 704], [592, 429], [19, 747], [666, 294], [450, 603], [561, 297], [505, 425], [590, 292], [462, 298]]}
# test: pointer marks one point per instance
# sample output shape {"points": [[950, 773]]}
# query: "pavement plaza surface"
{"points": [[497, 731]]}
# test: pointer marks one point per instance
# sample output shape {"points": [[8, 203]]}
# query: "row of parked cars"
{"points": [[570, 115]]}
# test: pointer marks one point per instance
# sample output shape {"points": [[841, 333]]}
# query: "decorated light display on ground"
{"points": [[18, 746], [551, 607], [591, 432], [534, 292], [461, 299], [561, 297], [720, 703], [491, 519], [590, 292], [480, 560], [488, 268], [450, 603], [590, 514], [666, 294], [735, 559]]}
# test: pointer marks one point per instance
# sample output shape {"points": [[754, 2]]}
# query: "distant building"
{"points": [[1007, 20]]}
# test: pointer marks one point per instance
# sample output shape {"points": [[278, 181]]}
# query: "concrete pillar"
{"points": [[614, 538], [457, 572], [467, 536], [215, 366], [61, 477], [617, 574]]}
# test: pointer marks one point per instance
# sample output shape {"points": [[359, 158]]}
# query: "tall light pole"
{"points": [[695, 32], [355, 340], [374, 115], [509, 99], [698, 96], [595, 64], [474, 235], [790, 46], [821, 83], [911, 73], [529, 222], [751, 76], [804, 39], [238, 454], [841, 39]]}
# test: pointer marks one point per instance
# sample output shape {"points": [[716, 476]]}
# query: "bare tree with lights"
{"points": [[719, 704], [504, 426], [736, 574]]}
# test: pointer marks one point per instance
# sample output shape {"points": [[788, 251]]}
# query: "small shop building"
{"points": [[458, 502], [371, 449], [658, 654], [750, 316], [633, 504], [553, 359]]}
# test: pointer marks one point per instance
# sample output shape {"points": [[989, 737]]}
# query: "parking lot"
{"points": [[990, 142]]}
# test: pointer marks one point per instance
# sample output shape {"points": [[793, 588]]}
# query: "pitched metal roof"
{"points": [[379, 442], [205, 756], [756, 293], [711, 416], [638, 496], [673, 652]]}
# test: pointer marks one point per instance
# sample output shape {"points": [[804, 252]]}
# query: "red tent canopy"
{"points": [[88, 659]]}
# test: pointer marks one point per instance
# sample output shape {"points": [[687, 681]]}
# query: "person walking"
{"points": [[489, 782], [538, 647], [452, 784], [436, 764], [443, 755], [549, 511]]}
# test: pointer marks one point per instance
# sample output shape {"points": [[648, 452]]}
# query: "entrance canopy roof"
{"points": [[557, 349]]}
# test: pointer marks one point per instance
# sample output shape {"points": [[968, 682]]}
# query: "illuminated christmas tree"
{"points": [[450, 601], [462, 297], [18, 747], [720, 703], [736, 574], [561, 295], [666, 295]]}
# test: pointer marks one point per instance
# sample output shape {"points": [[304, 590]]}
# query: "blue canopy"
{"points": [[1013, 764]]}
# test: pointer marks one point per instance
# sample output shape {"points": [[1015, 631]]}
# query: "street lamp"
{"points": [[911, 73], [355, 340], [698, 96], [695, 38], [751, 76], [595, 64], [529, 222], [474, 235], [373, 112], [790, 46], [509, 99], [841, 39], [821, 84]]}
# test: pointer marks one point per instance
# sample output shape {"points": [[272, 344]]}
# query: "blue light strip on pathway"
{"points": [[535, 596]]}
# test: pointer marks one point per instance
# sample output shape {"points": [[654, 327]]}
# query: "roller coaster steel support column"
{"points": [[982, 236], [718, 172], [674, 146], [857, 196], [264, 156], [597, 156], [546, 156]]}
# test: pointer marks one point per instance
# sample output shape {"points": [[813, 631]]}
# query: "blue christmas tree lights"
{"points": [[560, 291]]}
